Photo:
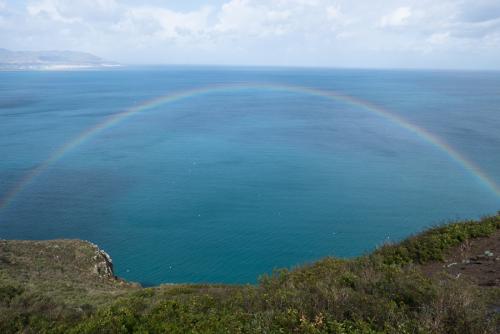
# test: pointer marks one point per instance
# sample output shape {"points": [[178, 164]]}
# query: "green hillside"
{"points": [[67, 286]]}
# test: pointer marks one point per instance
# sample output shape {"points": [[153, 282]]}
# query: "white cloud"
{"points": [[250, 18], [439, 38], [333, 12], [79, 11], [398, 17], [50, 10], [162, 23], [286, 32]]}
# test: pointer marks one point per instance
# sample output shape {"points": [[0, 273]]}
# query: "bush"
{"points": [[384, 292], [432, 244]]}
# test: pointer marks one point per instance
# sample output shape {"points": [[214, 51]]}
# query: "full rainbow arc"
{"points": [[468, 165]]}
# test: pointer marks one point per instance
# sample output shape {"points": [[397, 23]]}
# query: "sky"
{"points": [[445, 34]]}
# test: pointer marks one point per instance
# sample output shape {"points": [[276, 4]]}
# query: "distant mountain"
{"points": [[50, 60]]}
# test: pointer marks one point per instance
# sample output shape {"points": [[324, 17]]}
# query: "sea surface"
{"points": [[215, 174]]}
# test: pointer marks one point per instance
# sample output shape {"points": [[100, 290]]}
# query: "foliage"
{"points": [[432, 244], [384, 292]]}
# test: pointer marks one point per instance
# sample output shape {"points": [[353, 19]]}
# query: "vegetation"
{"points": [[383, 292], [432, 244]]}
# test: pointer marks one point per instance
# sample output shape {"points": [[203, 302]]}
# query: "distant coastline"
{"points": [[55, 68], [51, 61]]}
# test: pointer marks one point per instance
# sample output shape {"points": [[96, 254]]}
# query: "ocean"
{"points": [[221, 174]]}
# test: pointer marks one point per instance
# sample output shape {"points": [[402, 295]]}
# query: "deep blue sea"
{"points": [[226, 185]]}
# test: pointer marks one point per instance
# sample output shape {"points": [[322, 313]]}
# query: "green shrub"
{"points": [[432, 244], [384, 292]]}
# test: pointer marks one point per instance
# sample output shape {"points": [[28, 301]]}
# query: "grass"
{"points": [[432, 244], [383, 292]]}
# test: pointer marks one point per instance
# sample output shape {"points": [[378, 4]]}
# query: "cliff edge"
{"points": [[443, 280]]}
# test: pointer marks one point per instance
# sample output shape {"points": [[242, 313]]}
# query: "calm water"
{"points": [[224, 186]]}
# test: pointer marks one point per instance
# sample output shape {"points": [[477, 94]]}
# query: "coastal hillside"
{"points": [[49, 60], [444, 280]]}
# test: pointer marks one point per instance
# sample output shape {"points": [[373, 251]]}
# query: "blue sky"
{"points": [[462, 34]]}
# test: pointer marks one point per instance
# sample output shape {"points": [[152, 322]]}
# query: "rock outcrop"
{"points": [[103, 266]]}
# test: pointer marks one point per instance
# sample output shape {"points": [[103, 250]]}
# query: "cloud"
{"points": [[439, 38], [281, 32], [162, 24], [248, 18], [396, 18], [50, 10], [333, 12], [265, 19], [480, 10]]}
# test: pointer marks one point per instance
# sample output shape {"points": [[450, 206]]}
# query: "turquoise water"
{"points": [[227, 185]]}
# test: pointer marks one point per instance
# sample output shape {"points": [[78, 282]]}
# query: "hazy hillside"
{"points": [[47, 60]]}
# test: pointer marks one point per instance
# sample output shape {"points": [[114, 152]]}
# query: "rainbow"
{"points": [[83, 137]]}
